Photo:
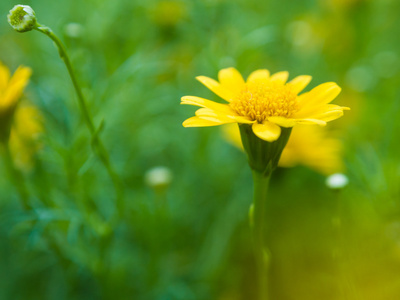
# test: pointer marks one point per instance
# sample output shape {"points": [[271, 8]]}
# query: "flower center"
{"points": [[260, 100]]}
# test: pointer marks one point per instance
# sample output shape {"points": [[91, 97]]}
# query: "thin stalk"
{"points": [[261, 183], [97, 143], [16, 176]]}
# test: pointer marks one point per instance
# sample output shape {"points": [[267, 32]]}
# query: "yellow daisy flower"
{"points": [[20, 125], [24, 137], [266, 102], [11, 88], [310, 146]]}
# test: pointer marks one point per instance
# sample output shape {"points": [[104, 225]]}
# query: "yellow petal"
{"points": [[257, 75], [232, 133], [218, 119], [207, 112], [322, 94], [329, 115], [197, 101], [231, 79], [311, 122], [267, 131], [311, 111], [22, 74], [282, 121], [216, 88], [244, 120], [28, 122], [200, 122], [311, 146], [15, 87], [280, 77], [299, 83]]}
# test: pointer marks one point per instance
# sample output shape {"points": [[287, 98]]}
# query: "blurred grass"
{"points": [[135, 60]]}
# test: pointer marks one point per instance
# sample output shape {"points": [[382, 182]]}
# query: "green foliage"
{"points": [[135, 59]]}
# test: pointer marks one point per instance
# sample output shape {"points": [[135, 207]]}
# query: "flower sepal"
{"points": [[263, 156]]}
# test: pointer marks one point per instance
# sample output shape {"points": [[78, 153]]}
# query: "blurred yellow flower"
{"points": [[310, 146], [24, 137], [168, 12], [20, 125], [11, 88], [264, 101], [343, 4]]}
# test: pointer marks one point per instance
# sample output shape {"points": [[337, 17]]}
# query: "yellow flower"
{"points": [[310, 146], [11, 88], [24, 137], [264, 101], [20, 125]]}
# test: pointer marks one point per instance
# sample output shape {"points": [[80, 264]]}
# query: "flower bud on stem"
{"points": [[22, 18], [96, 141]]}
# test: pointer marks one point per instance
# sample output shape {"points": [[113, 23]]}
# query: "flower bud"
{"points": [[74, 30], [22, 18]]}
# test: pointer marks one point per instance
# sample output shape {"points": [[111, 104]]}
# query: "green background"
{"points": [[135, 59]]}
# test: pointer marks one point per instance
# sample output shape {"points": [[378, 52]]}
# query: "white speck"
{"points": [[337, 181], [158, 176], [74, 30]]}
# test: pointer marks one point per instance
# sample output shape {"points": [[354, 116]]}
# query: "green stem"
{"points": [[96, 141], [261, 182], [16, 176]]}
